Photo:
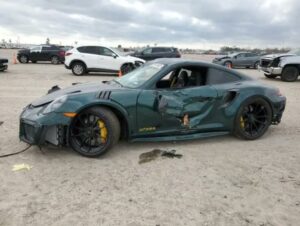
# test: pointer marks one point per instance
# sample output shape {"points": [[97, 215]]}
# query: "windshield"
{"points": [[139, 76], [117, 51], [232, 55], [295, 51]]}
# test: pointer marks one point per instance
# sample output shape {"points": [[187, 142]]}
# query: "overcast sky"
{"points": [[187, 23]]}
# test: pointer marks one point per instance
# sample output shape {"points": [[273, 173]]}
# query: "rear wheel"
{"points": [[94, 131], [270, 75], [54, 60], [253, 119], [78, 68], [33, 61], [23, 59], [290, 74], [256, 64]]}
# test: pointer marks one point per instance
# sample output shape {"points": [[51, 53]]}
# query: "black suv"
{"points": [[152, 53], [42, 53]]}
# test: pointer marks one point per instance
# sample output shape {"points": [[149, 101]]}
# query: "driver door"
{"points": [[175, 111]]}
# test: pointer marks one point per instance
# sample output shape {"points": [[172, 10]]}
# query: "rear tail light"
{"points": [[61, 53], [68, 54]]}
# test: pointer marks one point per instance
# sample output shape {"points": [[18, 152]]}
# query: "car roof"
{"points": [[183, 62]]}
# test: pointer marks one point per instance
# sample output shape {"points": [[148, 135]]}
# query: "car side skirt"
{"points": [[180, 137], [102, 70]]}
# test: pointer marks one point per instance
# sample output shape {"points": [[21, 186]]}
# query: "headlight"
{"points": [[55, 104]]}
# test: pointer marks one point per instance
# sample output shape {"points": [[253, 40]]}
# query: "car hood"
{"points": [[273, 56], [132, 58], [23, 50], [222, 57], [75, 89]]}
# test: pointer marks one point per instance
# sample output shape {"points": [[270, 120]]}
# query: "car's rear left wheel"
{"points": [[253, 119], [78, 68], [94, 131]]}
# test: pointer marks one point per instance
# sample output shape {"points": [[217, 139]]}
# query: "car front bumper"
{"points": [[38, 129], [271, 70], [278, 109]]}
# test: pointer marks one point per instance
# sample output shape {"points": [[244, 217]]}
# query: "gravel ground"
{"points": [[218, 181]]}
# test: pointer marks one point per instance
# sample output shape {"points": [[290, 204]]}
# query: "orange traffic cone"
{"points": [[14, 60], [120, 74]]}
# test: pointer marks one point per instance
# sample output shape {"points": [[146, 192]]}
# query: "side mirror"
{"points": [[114, 55]]}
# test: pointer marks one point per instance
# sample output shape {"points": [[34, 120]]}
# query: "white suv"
{"points": [[84, 59]]}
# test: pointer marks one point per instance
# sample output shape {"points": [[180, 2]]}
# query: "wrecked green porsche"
{"points": [[164, 100]]}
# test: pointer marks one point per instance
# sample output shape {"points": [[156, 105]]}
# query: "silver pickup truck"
{"points": [[286, 65]]}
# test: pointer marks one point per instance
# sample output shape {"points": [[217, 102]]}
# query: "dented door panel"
{"points": [[178, 110]]}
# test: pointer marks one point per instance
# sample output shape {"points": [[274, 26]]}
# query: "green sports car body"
{"points": [[166, 99]]}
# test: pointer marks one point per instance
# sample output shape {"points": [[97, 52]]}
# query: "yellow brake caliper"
{"points": [[242, 122], [103, 131]]}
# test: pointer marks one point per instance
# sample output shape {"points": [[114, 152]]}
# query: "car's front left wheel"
{"points": [[94, 131], [253, 119]]}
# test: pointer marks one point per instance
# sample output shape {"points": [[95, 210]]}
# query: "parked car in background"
{"points": [[152, 53], [3, 64], [84, 59], [240, 59], [285, 65], [51, 53]]}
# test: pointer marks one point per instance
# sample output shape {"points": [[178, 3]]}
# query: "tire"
{"points": [[54, 60], [256, 64], [270, 76], [290, 74], [23, 59], [34, 61], [126, 68], [228, 64], [86, 136], [253, 119], [78, 68]]}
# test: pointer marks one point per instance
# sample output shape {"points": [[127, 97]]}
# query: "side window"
{"points": [[46, 48], [158, 50], [89, 49], [106, 52], [36, 49], [216, 76], [147, 51], [241, 55]]}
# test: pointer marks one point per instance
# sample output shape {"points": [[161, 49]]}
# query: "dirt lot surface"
{"points": [[218, 181]]}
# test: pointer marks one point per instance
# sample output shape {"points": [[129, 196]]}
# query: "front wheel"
{"points": [[228, 64], [253, 119], [290, 74], [94, 131], [23, 59]]}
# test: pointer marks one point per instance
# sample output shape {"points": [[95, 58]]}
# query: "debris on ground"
{"points": [[155, 153], [22, 166], [1, 123], [171, 154]]}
